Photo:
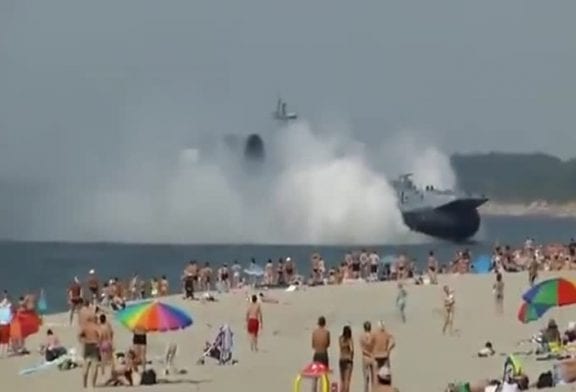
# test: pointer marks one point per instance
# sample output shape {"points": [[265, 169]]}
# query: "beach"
{"points": [[423, 360]]}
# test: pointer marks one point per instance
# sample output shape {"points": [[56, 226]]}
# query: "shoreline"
{"points": [[535, 208]]}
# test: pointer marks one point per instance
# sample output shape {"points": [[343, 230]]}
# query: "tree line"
{"points": [[511, 177]]}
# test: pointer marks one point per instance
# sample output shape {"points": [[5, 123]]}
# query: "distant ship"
{"points": [[254, 146], [281, 113], [444, 214]]}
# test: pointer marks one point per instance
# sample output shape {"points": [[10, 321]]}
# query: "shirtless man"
{"points": [[74, 297], [106, 343], [321, 342], [367, 346], [89, 337], [383, 344], [93, 286], [254, 322], [86, 312]]}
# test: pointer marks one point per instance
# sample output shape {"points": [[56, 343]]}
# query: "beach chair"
{"points": [[220, 348]]}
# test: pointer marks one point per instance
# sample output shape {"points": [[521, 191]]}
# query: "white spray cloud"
{"points": [[312, 189]]}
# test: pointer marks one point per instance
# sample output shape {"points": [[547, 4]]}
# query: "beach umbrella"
{"points": [[552, 292], [153, 317], [531, 312], [42, 303]]}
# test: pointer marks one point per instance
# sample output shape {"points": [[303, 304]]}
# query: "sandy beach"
{"points": [[424, 359]]}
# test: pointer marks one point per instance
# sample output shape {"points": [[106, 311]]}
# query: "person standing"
{"points": [[90, 338], [321, 342], [74, 298], [254, 322], [449, 305], [401, 301], [346, 362], [498, 290], [367, 346], [384, 343]]}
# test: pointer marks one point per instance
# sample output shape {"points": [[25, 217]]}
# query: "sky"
{"points": [[93, 87]]}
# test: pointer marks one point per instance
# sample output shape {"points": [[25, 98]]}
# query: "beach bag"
{"points": [[545, 380], [148, 377]]}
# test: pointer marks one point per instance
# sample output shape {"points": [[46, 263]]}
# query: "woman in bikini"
{"points": [[346, 362], [106, 343]]}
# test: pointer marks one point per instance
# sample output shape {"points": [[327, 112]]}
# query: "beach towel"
{"points": [[45, 365]]}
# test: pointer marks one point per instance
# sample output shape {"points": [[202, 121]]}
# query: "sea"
{"points": [[32, 266]]}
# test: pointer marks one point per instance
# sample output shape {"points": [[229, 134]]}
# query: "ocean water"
{"points": [[28, 267]]}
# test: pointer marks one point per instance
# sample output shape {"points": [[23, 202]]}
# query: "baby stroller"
{"points": [[221, 347]]}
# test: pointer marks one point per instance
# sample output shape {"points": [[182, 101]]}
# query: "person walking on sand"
{"points": [[367, 346], [449, 304], [346, 362], [89, 337], [384, 343], [254, 322], [498, 290], [401, 301]]}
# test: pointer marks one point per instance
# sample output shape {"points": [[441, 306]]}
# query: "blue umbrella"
{"points": [[482, 264]]}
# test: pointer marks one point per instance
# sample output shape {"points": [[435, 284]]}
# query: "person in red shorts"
{"points": [[5, 318], [254, 322]]}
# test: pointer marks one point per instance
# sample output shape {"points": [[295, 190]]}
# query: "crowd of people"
{"points": [[91, 299]]}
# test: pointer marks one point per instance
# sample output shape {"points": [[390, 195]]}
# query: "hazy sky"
{"points": [[92, 87], [479, 75]]}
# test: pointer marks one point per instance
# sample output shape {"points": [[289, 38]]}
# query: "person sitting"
{"points": [[570, 333], [486, 351], [52, 349], [123, 370], [117, 303], [266, 299]]}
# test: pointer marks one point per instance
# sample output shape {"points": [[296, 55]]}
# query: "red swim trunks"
{"points": [[4, 334], [253, 326]]}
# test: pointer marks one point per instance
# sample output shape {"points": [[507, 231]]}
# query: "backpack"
{"points": [[148, 377], [545, 380]]}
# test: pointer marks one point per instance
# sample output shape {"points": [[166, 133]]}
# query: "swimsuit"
{"points": [[345, 364], [139, 339], [106, 347], [91, 351], [382, 361], [321, 358], [253, 326]]}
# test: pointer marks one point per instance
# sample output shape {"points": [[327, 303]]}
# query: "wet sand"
{"points": [[424, 359]]}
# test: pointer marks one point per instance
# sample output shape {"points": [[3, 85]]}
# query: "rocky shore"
{"points": [[540, 207]]}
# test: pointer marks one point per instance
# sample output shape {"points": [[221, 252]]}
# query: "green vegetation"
{"points": [[510, 177]]}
